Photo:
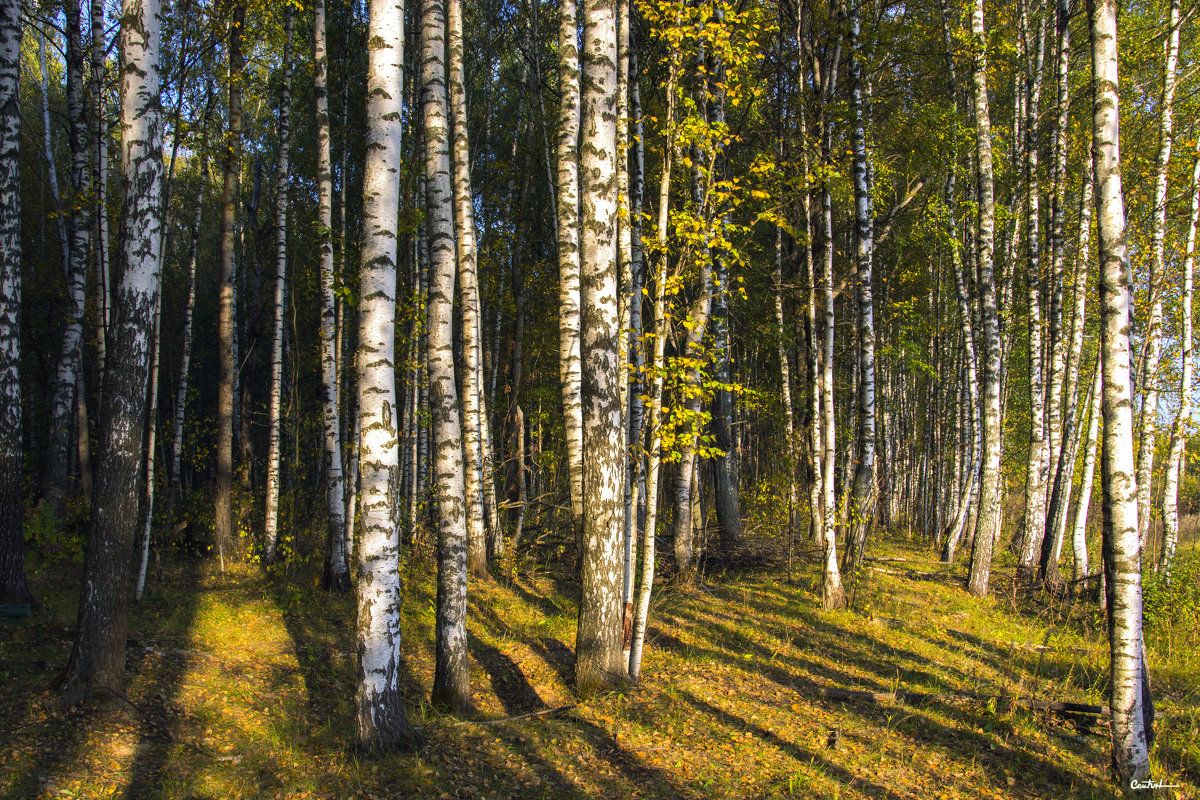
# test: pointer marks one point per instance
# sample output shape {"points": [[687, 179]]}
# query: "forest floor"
{"points": [[242, 685]]}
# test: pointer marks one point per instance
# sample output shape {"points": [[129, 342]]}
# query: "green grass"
{"points": [[243, 687]]}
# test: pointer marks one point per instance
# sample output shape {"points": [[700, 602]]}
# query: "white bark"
{"points": [[337, 569], [451, 680], [380, 718], [991, 494], [1182, 421], [1158, 234], [13, 588], [599, 653], [281, 226], [1128, 701], [97, 659], [568, 212], [474, 406], [1079, 526]]}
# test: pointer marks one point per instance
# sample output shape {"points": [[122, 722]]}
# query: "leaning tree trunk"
{"points": [[1158, 234], [337, 565], [1079, 526], [281, 222], [599, 650], [1178, 440], [1132, 710], [991, 490], [380, 720], [97, 661], [474, 406], [226, 366], [451, 677], [654, 416], [13, 587], [147, 508]]}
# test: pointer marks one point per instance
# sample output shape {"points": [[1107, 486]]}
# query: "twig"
{"points": [[539, 713]]}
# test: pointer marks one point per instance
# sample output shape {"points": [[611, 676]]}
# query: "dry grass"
{"points": [[241, 686]]}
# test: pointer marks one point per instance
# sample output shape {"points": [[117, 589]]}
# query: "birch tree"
{"points": [[281, 231], [1130, 703], [451, 678], [67, 371], [474, 405], [1183, 416], [599, 648], [568, 251], [1158, 235], [380, 721], [863, 496], [991, 489], [337, 567], [13, 588], [97, 662]]}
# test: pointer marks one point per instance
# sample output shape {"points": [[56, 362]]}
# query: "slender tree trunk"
{"points": [[1038, 459], [147, 510], [381, 723], [599, 650], [1079, 525], [863, 498], [451, 678], [785, 385], [226, 332], [69, 363], [13, 587], [1132, 709], [474, 404], [281, 227], [97, 662], [337, 565], [655, 371], [185, 361], [991, 489], [100, 182], [1158, 235], [1060, 498], [1175, 460]]}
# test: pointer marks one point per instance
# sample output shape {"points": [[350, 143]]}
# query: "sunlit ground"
{"points": [[241, 686]]}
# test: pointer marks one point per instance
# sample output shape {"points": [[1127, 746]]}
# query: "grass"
{"points": [[241, 685]]}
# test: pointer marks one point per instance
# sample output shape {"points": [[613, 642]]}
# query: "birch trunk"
{"points": [[337, 566], [863, 497], [381, 723], [1158, 234], [281, 226], [1038, 458], [833, 595], [1179, 427], [185, 361], [97, 662], [1060, 499], [451, 679], [654, 415], [69, 357], [785, 385], [1132, 711], [599, 651], [13, 587], [1079, 525], [474, 406], [991, 490], [100, 182], [147, 510], [226, 333]]}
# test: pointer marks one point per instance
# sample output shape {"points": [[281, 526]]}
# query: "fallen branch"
{"points": [[1081, 712], [539, 713]]}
